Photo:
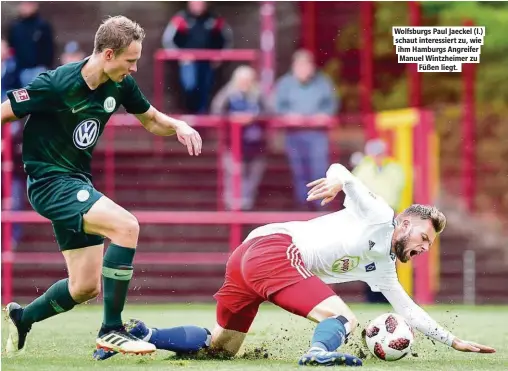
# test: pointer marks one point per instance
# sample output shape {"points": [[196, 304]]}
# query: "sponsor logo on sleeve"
{"points": [[21, 95]]}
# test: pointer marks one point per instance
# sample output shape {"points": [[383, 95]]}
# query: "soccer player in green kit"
{"points": [[69, 108]]}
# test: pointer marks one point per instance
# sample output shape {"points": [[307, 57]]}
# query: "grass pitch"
{"points": [[276, 341]]}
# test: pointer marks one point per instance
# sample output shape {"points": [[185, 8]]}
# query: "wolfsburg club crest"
{"points": [[109, 104]]}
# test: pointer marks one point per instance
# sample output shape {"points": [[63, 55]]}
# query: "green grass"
{"points": [[66, 342]]}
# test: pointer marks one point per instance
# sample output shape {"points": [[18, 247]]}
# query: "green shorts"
{"points": [[64, 199]]}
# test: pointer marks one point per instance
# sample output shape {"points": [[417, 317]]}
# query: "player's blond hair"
{"points": [[117, 33], [426, 212]]}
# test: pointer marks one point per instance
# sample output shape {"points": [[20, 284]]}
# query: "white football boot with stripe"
{"points": [[16, 340], [123, 342]]}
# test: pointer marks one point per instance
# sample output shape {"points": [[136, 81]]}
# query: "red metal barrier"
{"points": [[183, 217], [234, 218], [221, 124], [127, 120], [423, 292], [236, 149], [468, 132], [367, 67], [174, 217], [7, 167], [415, 77], [308, 16]]}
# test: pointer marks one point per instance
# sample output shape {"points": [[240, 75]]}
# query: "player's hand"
{"points": [[323, 189], [190, 138], [468, 346]]}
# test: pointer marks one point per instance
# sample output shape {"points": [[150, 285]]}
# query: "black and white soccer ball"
{"points": [[389, 337]]}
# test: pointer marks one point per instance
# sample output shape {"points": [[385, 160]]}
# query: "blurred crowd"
{"points": [[304, 95]]}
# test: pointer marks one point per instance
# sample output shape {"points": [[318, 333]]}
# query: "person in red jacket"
{"points": [[197, 27]]}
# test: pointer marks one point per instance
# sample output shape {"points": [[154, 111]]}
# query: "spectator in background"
{"points": [[10, 80], [306, 96], [241, 99], [31, 38], [385, 177], [382, 174], [72, 53], [197, 28], [356, 159]]}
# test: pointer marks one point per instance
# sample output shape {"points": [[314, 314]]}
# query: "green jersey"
{"points": [[67, 118]]}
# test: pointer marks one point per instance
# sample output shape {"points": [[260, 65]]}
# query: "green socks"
{"points": [[116, 273], [57, 299]]}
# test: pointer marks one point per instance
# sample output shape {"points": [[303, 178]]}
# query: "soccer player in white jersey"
{"points": [[290, 265]]}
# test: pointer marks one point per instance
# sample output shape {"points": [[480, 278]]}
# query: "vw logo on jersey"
{"points": [[86, 133], [109, 104]]}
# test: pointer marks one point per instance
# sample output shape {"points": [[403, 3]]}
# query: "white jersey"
{"points": [[355, 244]]}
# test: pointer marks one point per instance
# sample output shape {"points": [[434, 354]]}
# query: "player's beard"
{"points": [[400, 248]]}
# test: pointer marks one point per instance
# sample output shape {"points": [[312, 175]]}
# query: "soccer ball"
{"points": [[389, 337]]}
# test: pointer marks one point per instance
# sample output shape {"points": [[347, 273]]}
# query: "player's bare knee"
{"points": [[83, 291], [126, 231], [131, 227], [226, 343], [331, 307], [327, 313], [351, 318]]}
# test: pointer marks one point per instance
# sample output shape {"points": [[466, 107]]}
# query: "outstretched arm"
{"points": [[160, 124], [420, 320], [359, 199], [7, 114]]}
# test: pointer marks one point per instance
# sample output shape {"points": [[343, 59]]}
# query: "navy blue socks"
{"points": [[182, 339]]}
